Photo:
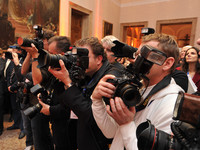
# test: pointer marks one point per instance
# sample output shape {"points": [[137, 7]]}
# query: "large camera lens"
{"points": [[129, 94], [46, 59], [32, 111], [27, 42], [151, 138]]}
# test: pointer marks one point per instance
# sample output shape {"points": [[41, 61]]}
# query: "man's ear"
{"points": [[99, 59], [168, 63]]}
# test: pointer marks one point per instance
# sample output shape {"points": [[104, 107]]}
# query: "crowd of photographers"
{"points": [[94, 95]]}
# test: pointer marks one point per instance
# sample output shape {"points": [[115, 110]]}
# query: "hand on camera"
{"points": [[120, 112], [103, 88], [62, 74], [45, 108], [32, 50]]}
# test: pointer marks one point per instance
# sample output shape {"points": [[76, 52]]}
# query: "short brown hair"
{"points": [[167, 44], [95, 45], [62, 43]]}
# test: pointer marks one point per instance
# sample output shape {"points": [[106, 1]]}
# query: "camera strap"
{"points": [[161, 85]]}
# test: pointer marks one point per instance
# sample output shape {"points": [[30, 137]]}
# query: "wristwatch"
{"points": [[19, 65], [34, 59], [67, 86]]}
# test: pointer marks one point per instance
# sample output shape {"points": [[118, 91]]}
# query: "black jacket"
{"points": [[52, 84], [89, 136]]}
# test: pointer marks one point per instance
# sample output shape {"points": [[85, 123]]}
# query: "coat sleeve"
{"points": [[73, 98], [107, 124]]}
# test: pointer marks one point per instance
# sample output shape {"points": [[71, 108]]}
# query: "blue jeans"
{"points": [[42, 138]]}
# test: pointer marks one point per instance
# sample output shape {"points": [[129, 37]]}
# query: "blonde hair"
{"points": [[167, 44]]}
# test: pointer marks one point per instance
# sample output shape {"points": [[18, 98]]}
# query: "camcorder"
{"points": [[38, 42], [128, 86], [186, 128], [45, 97], [76, 61]]}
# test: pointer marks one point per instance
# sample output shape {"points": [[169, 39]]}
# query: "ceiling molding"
{"points": [[117, 2], [142, 2]]}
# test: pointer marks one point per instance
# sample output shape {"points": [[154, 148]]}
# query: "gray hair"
{"points": [[109, 40]]}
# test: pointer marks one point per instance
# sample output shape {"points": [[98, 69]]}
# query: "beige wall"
{"points": [[130, 11], [102, 10], [168, 9]]}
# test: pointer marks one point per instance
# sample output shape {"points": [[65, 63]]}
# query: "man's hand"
{"points": [[32, 50], [120, 113], [10, 90], [103, 88], [15, 58], [45, 108], [62, 74]]}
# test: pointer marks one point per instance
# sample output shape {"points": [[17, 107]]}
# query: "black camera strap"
{"points": [[161, 85]]}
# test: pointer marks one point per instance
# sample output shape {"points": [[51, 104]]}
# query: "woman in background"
{"points": [[191, 65]]}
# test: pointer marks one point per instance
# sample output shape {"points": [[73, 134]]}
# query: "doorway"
{"points": [[131, 33], [182, 29], [81, 25]]}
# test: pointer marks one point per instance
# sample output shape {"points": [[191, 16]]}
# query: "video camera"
{"points": [[44, 95], [36, 41], [128, 86], [76, 61], [186, 129]]}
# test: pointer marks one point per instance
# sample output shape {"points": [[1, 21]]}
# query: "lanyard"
{"points": [[162, 84]]}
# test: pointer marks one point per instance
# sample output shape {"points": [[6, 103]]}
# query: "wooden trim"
{"points": [[177, 21], [87, 19], [124, 25]]}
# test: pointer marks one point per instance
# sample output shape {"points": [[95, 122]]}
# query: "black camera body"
{"points": [[38, 42], [76, 61], [8, 54], [24, 90], [128, 86], [44, 95], [186, 128]]}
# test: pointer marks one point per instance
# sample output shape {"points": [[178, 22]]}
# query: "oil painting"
{"points": [[17, 18]]}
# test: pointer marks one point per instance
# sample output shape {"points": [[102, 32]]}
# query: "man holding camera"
{"points": [[52, 111], [89, 136], [159, 96], [107, 43]]}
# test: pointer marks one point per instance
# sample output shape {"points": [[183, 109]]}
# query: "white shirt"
{"points": [[159, 111]]}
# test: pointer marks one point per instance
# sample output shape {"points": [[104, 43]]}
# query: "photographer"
{"points": [[33, 127], [53, 111], [107, 43], [15, 54], [89, 136], [160, 93]]}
